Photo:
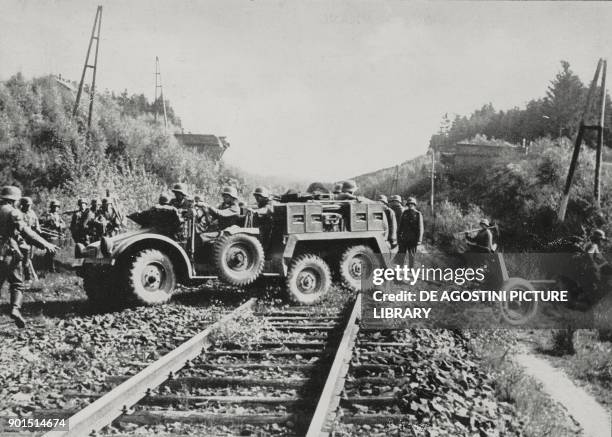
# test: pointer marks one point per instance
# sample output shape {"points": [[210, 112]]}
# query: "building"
{"points": [[212, 146]]}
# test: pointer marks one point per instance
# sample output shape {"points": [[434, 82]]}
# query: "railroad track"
{"points": [[276, 386]]}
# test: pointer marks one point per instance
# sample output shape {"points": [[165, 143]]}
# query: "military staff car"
{"points": [[302, 241]]}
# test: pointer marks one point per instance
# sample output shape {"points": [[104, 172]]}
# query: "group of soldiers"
{"points": [[21, 230]]}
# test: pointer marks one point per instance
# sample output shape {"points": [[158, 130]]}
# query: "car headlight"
{"points": [[106, 246]]}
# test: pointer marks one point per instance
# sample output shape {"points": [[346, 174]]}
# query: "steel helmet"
{"points": [[105, 200], [395, 198], [197, 198], [163, 199], [230, 191], [26, 201], [81, 201], [338, 187], [95, 201], [599, 233], [381, 198], [10, 192], [349, 185], [261, 191], [53, 203], [411, 200], [485, 222], [179, 188]]}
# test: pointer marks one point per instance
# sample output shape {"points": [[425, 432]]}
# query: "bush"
{"points": [[451, 219]]}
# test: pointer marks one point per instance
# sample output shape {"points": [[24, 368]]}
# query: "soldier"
{"points": [[390, 223], [53, 227], [181, 199], [395, 203], [95, 206], [31, 219], [348, 191], [80, 222], [410, 232], [107, 222], [337, 188], [262, 215], [483, 241], [227, 212], [12, 226]]}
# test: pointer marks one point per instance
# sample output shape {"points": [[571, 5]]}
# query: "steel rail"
{"points": [[330, 395], [103, 411]]}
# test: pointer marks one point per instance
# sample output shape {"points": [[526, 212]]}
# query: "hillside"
{"points": [[522, 192], [45, 151]]}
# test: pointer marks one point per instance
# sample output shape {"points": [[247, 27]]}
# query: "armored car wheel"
{"points": [[239, 259], [308, 279], [517, 313], [357, 265], [150, 277]]}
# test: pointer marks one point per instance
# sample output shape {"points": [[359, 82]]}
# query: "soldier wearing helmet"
{"points": [[181, 199], [263, 215], [410, 232], [337, 188], [52, 227], [592, 271], [107, 222], [592, 247], [12, 227], [80, 222], [227, 213], [483, 241], [31, 219], [348, 191], [390, 223], [395, 203]]}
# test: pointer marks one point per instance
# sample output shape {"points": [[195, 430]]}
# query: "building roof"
{"points": [[202, 140]]}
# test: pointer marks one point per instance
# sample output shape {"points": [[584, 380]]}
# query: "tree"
{"points": [[563, 102]]}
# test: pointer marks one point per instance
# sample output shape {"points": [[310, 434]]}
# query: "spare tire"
{"points": [[308, 279], [239, 259], [357, 267]]}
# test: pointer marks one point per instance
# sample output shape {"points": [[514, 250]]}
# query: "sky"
{"points": [[313, 90]]}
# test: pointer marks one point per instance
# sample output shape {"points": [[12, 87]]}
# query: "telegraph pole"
{"points": [[95, 35], [158, 85]]}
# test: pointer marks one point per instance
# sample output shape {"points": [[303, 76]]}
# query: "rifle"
{"points": [[460, 233], [51, 233], [70, 212]]}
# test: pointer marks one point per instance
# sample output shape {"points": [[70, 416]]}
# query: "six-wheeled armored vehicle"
{"points": [[300, 241]]}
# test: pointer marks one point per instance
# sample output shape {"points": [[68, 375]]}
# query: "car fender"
{"points": [[232, 230], [179, 254]]}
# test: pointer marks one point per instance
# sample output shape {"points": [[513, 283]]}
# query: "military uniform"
{"points": [[53, 222], [482, 242], [106, 223], [80, 225], [30, 219], [410, 234], [390, 226], [395, 203], [13, 227], [225, 214]]}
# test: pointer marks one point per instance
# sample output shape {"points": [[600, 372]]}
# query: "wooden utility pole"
{"points": [[95, 35], [433, 178], [579, 136], [158, 85], [395, 181], [600, 138]]}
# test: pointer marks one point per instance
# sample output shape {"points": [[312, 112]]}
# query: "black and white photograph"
{"points": [[305, 218]]}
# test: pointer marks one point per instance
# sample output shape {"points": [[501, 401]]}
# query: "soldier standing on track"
{"points": [[53, 225], [410, 234], [81, 222], [228, 211], [391, 222], [12, 227], [395, 203], [31, 219]]}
